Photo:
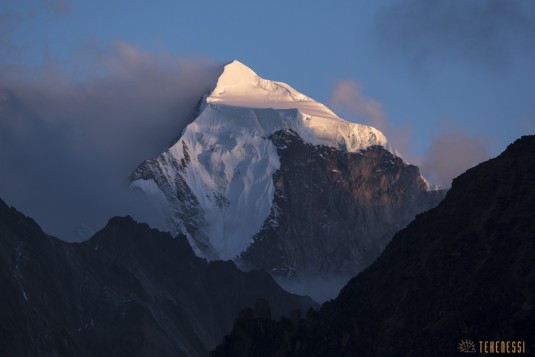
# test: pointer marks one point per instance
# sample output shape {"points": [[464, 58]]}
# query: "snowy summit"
{"points": [[240, 86], [218, 176]]}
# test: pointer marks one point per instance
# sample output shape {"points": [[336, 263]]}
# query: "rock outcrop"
{"points": [[462, 271], [333, 211]]}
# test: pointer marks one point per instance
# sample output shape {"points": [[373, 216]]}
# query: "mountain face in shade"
{"points": [[333, 213], [272, 179], [461, 271], [129, 290]]}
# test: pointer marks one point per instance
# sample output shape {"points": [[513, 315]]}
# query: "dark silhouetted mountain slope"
{"points": [[461, 271], [274, 180], [128, 291]]}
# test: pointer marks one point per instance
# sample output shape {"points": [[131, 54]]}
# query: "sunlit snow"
{"points": [[232, 159]]}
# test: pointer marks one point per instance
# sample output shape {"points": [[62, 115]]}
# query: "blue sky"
{"points": [[311, 45], [451, 83]]}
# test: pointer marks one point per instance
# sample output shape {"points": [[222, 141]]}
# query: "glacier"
{"points": [[218, 176]]}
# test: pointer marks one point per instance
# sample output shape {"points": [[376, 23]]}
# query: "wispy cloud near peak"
{"points": [[68, 145]]}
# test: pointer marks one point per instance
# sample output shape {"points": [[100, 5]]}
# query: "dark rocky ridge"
{"points": [[333, 211], [461, 271], [189, 215], [129, 290]]}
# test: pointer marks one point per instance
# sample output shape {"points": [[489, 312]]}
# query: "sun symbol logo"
{"points": [[467, 346]]}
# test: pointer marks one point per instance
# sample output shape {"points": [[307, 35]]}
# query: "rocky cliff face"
{"points": [[462, 271], [272, 179], [334, 211], [129, 290]]}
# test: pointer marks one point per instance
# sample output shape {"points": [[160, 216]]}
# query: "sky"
{"points": [[89, 89]]}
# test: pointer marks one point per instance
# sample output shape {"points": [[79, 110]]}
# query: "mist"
{"points": [[347, 96], [70, 138], [450, 154], [487, 34], [348, 100], [319, 289]]}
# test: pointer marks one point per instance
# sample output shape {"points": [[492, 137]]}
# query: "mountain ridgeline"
{"points": [[128, 291], [274, 180], [267, 180], [462, 271], [333, 213]]}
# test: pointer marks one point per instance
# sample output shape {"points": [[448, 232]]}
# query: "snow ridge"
{"points": [[227, 160]]}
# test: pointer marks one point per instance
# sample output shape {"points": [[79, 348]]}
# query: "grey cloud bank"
{"points": [[484, 32], [68, 146]]}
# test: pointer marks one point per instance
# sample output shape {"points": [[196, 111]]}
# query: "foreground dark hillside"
{"points": [[462, 271], [128, 291]]}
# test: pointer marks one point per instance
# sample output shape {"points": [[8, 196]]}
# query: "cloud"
{"points": [[350, 102], [70, 138], [450, 154], [486, 32], [347, 96]]}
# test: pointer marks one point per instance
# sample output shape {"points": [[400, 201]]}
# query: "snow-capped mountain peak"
{"points": [[240, 86], [218, 177]]}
